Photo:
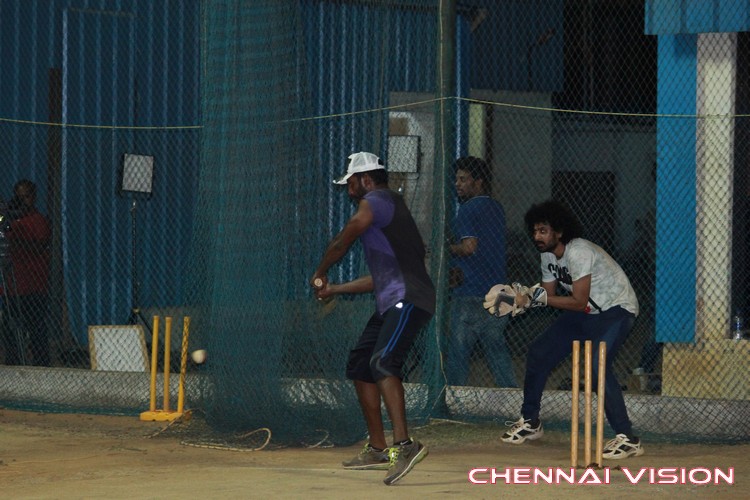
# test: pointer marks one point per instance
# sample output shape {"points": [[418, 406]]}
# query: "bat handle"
{"points": [[318, 284]]}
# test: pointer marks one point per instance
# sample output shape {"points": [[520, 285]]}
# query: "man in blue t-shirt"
{"points": [[478, 262]]}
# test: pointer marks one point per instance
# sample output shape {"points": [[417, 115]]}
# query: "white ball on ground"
{"points": [[199, 356]]}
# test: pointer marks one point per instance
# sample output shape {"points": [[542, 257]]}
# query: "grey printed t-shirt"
{"points": [[609, 285]]}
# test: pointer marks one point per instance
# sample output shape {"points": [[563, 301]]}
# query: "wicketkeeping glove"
{"points": [[500, 300], [536, 296]]}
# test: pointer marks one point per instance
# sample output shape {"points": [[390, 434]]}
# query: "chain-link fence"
{"points": [[182, 152]]}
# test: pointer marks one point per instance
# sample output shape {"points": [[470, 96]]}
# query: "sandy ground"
{"points": [[88, 456]]}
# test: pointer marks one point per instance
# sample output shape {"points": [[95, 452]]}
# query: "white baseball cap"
{"points": [[360, 162]]}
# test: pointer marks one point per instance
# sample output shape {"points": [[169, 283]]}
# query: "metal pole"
{"points": [[444, 144], [135, 310]]}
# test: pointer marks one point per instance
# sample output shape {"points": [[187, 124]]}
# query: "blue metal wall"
{"points": [[356, 56], [127, 73]]}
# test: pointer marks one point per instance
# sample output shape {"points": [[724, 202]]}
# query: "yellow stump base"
{"points": [[164, 416]]}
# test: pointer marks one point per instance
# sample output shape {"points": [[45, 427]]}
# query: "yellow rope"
{"points": [[388, 108]]}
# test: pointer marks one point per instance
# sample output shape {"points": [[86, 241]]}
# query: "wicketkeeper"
{"points": [[599, 305]]}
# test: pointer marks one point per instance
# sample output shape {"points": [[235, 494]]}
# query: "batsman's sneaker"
{"points": [[369, 458], [403, 458], [521, 431], [622, 447]]}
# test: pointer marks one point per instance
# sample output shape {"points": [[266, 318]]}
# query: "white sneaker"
{"points": [[521, 431], [622, 447]]}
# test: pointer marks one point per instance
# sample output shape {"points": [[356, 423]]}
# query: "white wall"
{"points": [[529, 142]]}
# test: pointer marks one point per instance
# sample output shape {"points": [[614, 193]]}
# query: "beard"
{"points": [[545, 247], [357, 192]]}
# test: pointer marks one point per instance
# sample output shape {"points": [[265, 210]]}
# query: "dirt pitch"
{"points": [[88, 456]]}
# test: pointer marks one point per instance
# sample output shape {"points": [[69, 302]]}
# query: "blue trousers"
{"points": [[555, 344], [471, 325]]}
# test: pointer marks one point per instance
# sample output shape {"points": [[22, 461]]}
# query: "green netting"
{"points": [[277, 358], [633, 113]]}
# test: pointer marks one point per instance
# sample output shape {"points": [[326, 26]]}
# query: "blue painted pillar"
{"points": [[675, 189]]}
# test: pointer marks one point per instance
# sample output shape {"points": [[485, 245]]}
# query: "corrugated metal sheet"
{"points": [[357, 54], [117, 66], [128, 76]]}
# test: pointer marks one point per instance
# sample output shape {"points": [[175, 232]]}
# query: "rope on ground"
{"points": [[219, 446], [213, 444], [323, 443]]}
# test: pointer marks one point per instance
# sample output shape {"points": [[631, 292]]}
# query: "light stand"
{"points": [[135, 310], [11, 308], [137, 182]]}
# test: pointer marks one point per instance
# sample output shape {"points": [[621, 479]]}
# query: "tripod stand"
{"points": [[12, 310], [135, 310]]}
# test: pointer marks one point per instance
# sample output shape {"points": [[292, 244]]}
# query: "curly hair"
{"points": [[560, 218]]}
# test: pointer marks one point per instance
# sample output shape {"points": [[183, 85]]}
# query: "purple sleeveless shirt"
{"points": [[395, 254]]}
